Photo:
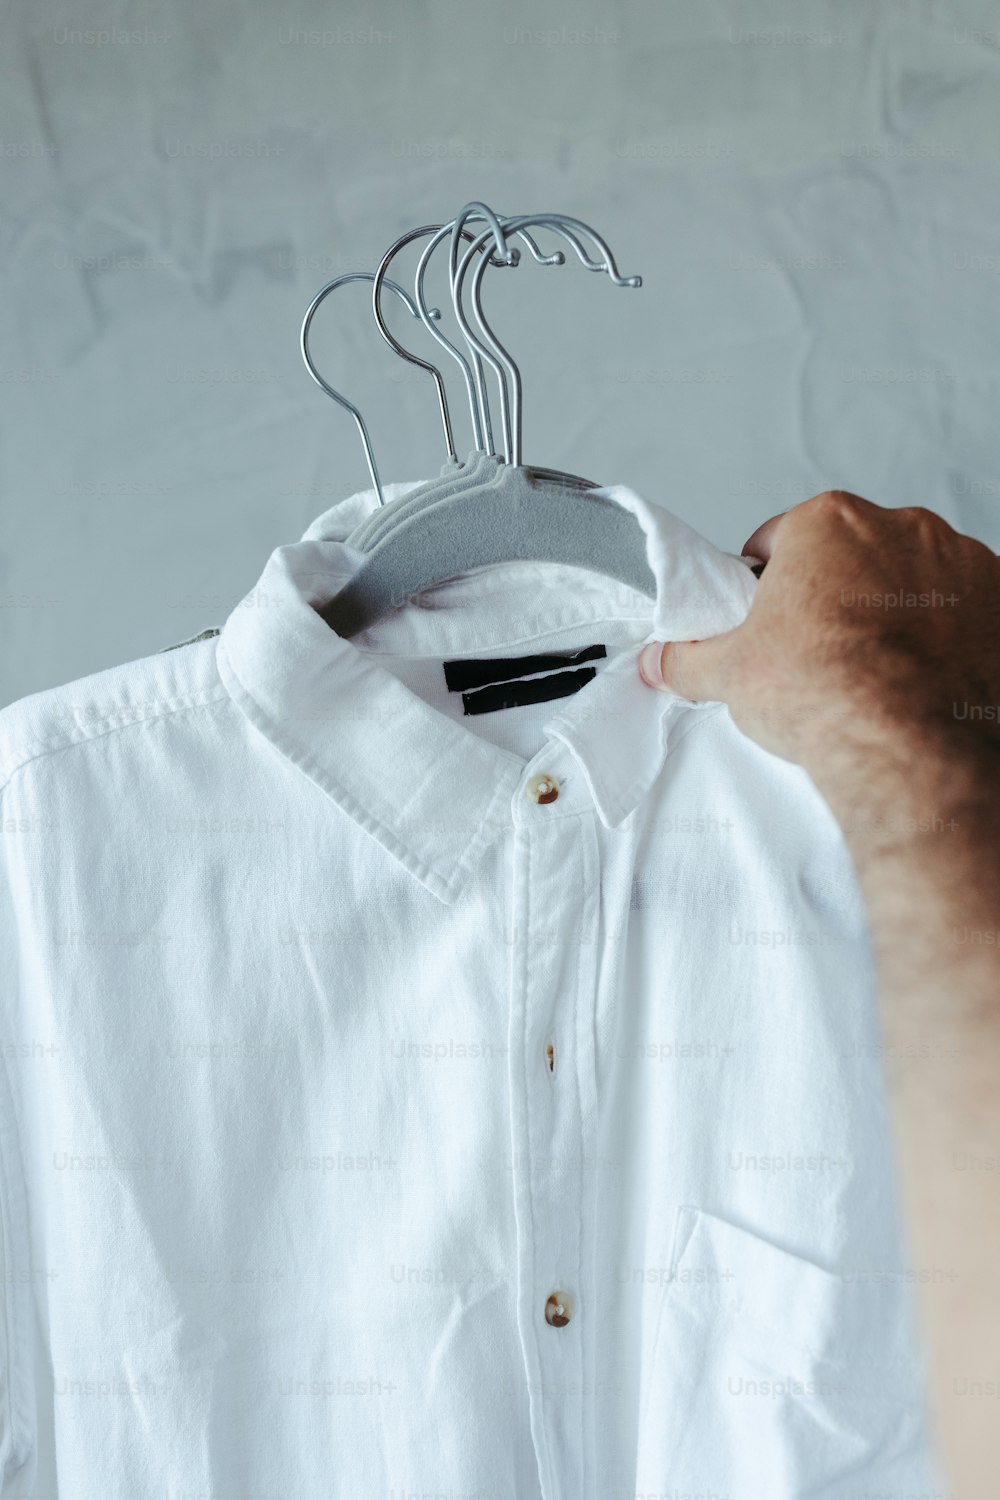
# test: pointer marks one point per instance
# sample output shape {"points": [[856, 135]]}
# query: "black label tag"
{"points": [[470, 673], [487, 700]]}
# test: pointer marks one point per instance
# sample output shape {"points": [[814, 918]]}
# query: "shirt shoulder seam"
{"points": [[203, 635], [101, 728]]}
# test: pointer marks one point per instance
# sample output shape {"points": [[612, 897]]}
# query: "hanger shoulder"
{"points": [[519, 516], [477, 468]]}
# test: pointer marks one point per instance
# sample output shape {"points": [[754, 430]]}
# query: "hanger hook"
{"points": [[558, 223], [565, 225], [608, 264], [320, 296], [475, 384], [477, 210], [481, 210], [494, 352], [478, 397], [425, 314]]}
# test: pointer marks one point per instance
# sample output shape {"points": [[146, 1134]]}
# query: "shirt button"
{"points": [[559, 1309], [542, 789]]}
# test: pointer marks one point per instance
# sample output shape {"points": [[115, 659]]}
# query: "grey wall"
{"points": [[809, 190]]}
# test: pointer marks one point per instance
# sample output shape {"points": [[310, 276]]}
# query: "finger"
{"points": [[699, 670]]}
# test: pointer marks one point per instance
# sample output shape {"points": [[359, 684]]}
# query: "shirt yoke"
{"points": [[84, 710]]}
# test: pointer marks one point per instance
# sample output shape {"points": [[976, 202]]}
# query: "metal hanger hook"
{"points": [[566, 223], [474, 383], [558, 223], [426, 315], [492, 351], [324, 385], [477, 210]]}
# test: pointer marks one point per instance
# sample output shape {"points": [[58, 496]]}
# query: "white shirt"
{"points": [[333, 1060]]}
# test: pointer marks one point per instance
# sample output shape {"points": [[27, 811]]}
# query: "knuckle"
{"points": [[849, 504], [928, 529], [841, 503], [829, 509], [919, 515]]}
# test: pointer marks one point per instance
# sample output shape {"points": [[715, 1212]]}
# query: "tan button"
{"points": [[559, 1309], [542, 789]]}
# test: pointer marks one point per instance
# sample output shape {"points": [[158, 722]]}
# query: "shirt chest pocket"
{"points": [[772, 1377]]}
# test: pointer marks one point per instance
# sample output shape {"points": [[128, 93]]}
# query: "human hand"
{"points": [[868, 626]]}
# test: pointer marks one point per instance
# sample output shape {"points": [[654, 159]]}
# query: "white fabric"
{"points": [[287, 1175]]}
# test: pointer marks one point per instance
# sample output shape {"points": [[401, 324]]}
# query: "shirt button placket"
{"points": [[553, 974]]}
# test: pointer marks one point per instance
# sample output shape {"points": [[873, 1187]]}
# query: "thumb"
{"points": [[692, 669]]}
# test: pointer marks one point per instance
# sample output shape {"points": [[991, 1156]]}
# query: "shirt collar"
{"points": [[433, 794]]}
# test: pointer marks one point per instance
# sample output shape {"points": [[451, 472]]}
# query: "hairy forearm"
{"points": [[921, 816]]}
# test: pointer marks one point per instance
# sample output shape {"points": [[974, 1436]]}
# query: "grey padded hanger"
{"points": [[508, 513]]}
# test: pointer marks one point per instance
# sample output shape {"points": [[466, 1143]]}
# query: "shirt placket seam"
{"points": [[577, 1208], [586, 993], [523, 1131]]}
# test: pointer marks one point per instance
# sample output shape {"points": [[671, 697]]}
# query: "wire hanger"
{"points": [[332, 286], [397, 348], [479, 465], [500, 255], [454, 475], [508, 512], [558, 222], [492, 351], [379, 278]]}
